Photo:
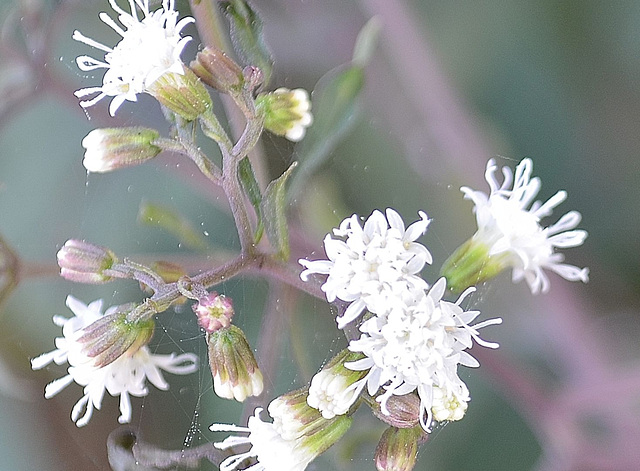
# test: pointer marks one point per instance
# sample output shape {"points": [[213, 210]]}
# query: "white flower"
{"points": [[272, 451], [447, 407], [150, 47], [124, 377], [373, 265], [418, 347], [509, 225]]}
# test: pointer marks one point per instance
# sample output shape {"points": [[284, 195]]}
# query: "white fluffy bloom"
{"points": [[150, 47], [418, 347], [124, 377], [268, 447], [509, 225], [374, 264]]}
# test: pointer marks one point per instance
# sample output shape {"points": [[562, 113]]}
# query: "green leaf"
{"points": [[274, 210], [246, 36], [252, 189], [156, 215], [334, 108]]}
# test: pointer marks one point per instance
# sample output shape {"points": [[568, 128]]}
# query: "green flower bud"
{"points": [[112, 148], [287, 112], [184, 94]]}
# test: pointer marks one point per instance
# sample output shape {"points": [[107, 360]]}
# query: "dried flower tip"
{"points": [[217, 70], [233, 367], [182, 93], [397, 449], [336, 388], [83, 262], [113, 148], [287, 112], [214, 312]]}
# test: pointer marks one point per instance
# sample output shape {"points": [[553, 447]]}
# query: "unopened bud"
{"points": [[397, 449], [217, 70], [404, 411], [112, 148], [214, 312], [9, 267], [233, 367], [114, 335], [287, 112], [294, 419], [83, 262], [184, 94], [253, 76], [336, 388]]}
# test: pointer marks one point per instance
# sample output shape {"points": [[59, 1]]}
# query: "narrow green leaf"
{"points": [[274, 210], [246, 36], [252, 189], [160, 216], [334, 107]]}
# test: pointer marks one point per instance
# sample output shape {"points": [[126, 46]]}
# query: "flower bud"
{"points": [[112, 148], [217, 70], [233, 366], [397, 449], [336, 388], [184, 94], [295, 420], [114, 335], [214, 312], [83, 262], [472, 264], [287, 112], [404, 411]]}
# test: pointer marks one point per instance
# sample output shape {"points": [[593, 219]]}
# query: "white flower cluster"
{"points": [[124, 377], [150, 47], [509, 224], [375, 264], [414, 340]]}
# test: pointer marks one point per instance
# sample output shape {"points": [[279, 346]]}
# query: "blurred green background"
{"points": [[451, 84]]}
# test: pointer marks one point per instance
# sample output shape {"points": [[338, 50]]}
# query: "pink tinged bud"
{"points": [[83, 262], [214, 312], [113, 148], [397, 449], [217, 70], [233, 367], [404, 411]]}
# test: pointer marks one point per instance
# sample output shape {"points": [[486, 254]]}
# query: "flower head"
{"points": [[374, 264], [418, 347], [124, 377], [296, 437], [510, 234], [287, 112], [150, 48], [108, 149]]}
